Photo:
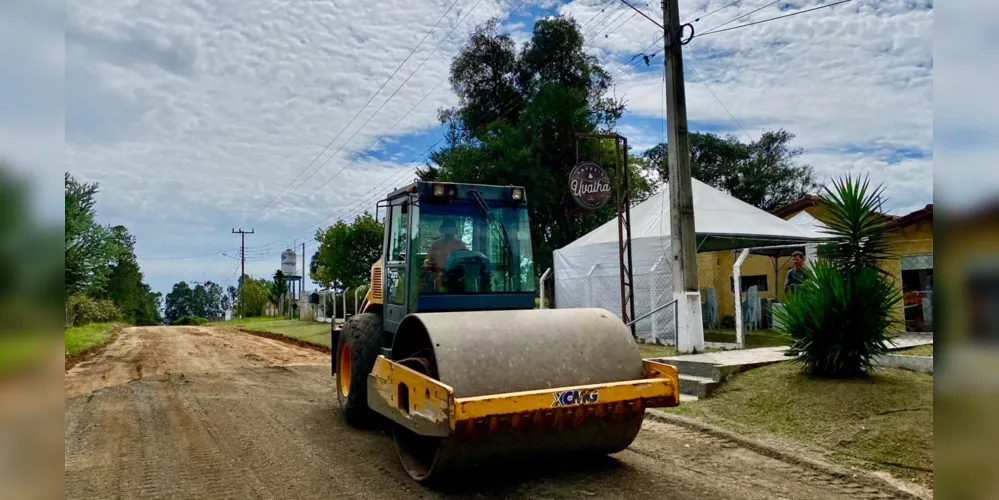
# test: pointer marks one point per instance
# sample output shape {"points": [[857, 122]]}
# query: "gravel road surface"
{"points": [[208, 413]]}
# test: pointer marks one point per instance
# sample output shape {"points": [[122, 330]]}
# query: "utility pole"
{"points": [[683, 243], [301, 289], [242, 264]]}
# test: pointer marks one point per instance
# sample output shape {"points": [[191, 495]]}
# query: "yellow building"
{"points": [[912, 264], [968, 290]]}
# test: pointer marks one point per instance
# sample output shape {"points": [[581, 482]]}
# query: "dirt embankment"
{"points": [[204, 413]]}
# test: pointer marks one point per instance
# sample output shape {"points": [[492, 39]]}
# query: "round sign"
{"points": [[589, 185]]}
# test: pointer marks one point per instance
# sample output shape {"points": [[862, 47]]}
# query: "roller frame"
{"points": [[434, 411]]}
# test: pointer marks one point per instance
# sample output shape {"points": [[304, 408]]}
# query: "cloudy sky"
{"points": [[200, 116]]}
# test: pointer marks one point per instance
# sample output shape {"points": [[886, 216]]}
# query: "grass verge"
{"points": [[921, 350], [303, 333], [656, 350], [883, 423], [755, 338], [82, 342]]}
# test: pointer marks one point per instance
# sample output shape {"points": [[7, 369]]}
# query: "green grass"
{"points": [[81, 338], [756, 338], [922, 350], [21, 349], [656, 350], [884, 422], [306, 331]]}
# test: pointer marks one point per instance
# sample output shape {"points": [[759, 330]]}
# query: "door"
{"points": [[396, 249]]}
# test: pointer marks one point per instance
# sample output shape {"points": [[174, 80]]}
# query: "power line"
{"points": [[390, 98], [636, 9], [730, 21], [777, 17], [359, 111], [713, 12], [703, 82]]}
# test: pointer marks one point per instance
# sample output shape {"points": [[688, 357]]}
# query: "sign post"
{"points": [[591, 189]]}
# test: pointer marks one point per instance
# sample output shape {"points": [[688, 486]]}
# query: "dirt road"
{"points": [[202, 413]]}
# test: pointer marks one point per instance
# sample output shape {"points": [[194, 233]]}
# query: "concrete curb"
{"points": [[922, 364], [861, 477]]}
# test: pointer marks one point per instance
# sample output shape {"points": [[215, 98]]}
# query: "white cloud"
{"points": [[193, 114]]}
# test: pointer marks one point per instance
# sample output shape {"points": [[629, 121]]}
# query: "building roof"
{"points": [[897, 222], [809, 200], [913, 217]]}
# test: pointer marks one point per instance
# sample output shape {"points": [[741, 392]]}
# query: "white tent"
{"points": [[587, 272]]}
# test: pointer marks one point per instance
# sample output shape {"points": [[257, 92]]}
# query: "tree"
{"points": [[346, 252], [840, 319], [278, 288], [516, 120], [763, 173], [179, 302], [254, 297], [125, 288], [89, 245]]}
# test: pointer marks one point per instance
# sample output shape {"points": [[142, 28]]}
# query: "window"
{"points": [[917, 292], [397, 236], [757, 280], [458, 249]]}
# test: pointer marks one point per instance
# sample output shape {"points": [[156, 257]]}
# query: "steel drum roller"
{"points": [[497, 352]]}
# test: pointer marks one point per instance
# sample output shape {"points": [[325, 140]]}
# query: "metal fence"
{"points": [[653, 291]]}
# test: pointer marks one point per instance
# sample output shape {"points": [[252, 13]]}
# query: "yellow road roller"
{"points": [[449, 348]]}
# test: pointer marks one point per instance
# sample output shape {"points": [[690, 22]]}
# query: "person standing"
{"points": [[796, 275]]}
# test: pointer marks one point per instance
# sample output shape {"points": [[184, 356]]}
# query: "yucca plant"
{"points": [[841, 318]]}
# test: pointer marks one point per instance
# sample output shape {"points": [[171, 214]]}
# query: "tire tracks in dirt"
{"points": [[217, 414]]}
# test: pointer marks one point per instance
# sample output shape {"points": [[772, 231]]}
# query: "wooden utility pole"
{"points": [[242, 264], [301, 286], [683, 244]]}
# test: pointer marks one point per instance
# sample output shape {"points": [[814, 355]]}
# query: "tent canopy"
{"points": [[721, 222]]}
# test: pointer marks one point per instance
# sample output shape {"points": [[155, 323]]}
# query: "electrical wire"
{"points": [[730, 21], [359, 111], [637, 10], [411, 75], [705, 83], [713, 12], [777, 17]]}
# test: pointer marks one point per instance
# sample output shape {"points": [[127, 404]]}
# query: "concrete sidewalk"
{"points": [[700, 374]]}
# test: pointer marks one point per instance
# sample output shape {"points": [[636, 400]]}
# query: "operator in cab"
{"points": [[440, 250]]}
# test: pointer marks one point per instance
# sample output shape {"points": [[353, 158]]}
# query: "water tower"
{"points": [[292, 274]]}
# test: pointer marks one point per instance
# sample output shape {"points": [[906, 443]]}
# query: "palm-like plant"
{"points": [[840, 319]]}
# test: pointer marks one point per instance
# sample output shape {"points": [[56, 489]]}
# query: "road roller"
{"points": [[450, 352]]}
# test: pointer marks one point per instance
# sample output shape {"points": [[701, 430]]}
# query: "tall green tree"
{"points": [[516, 120], [125, 287], [278, 288], [179, 302], [763, 173], [346, 252], [254, 295], [89, 245]]}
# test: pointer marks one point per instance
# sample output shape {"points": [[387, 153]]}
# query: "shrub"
{"points": [[190, 320], [839, 322], [83, 310], [840, 318]]}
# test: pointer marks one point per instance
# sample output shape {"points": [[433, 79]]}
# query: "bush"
{"points": [[839, 322], [190, 320], [83, 310], [839, 319]]}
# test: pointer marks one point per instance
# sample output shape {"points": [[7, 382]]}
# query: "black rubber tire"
{"points": [[363, 335]]}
